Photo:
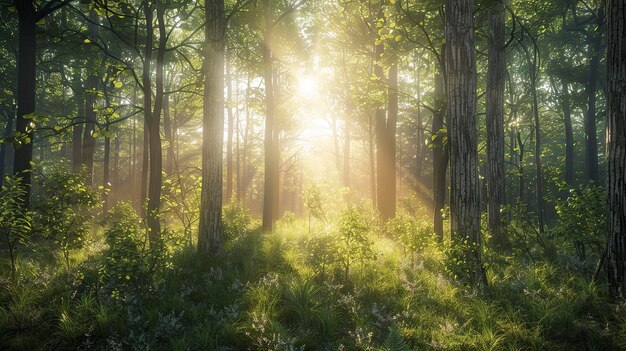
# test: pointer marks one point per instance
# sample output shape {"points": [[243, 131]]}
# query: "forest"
{"points": [[295, 175]]}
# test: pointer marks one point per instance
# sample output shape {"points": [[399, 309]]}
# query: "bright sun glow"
{"points": [[308, 87]]}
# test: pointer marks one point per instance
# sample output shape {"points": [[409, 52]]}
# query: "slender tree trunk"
{"points": [[5, 146], [616, 148], [154, 130], [591, 138], [210, 228], [106, 171], [538, 165], [462, 133], [169, 136], [346, 152], [77, 129], [440, 158], [569, 135], [229, 142], [89, 141], [496, 74], [372, 160], [26, 84], [271, 164]]}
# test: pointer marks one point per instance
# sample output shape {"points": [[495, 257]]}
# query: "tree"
{"points": [[462, 133], [616, 147], [211, 228], [496, 71]]}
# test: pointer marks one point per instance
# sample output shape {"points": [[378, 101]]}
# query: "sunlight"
{"points": [[308, 87]]}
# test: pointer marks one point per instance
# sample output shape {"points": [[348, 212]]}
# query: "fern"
{"points": [[395, 341]]}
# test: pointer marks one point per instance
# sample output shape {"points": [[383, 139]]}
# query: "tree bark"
{"points": [[569, 135], [616, 148], [210, 227], [496, 74], [169, 136], [89, 141], [77, 129], [462, 133], [538, 164], [26, 84], [229, 142]]}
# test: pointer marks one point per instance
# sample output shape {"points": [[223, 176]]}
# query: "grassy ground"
{"points": [[286, 291]]}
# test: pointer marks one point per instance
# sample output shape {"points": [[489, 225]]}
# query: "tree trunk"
{"points": [[591, 138], [569, 135], [210, 227], [229, 142], [154, 130], [440, 157], [169, 136], [462, 133], [26, 84], [77, 129], [89, 141], [4, 147], [538, 165], [271, 164], [616, 148], [346, 152], [495, 122]]}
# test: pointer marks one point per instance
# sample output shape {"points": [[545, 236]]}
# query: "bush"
{"points": [[354, 242], [64, 214], [15, 220], [236, 218], [414, 237], [581, 219]]}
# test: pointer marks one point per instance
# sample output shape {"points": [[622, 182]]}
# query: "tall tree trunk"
{"points": [[462, 133], [210, 227], [89, 141], [77, 128], [372, 160], [106, 171], [569, 135], [346, 152], [440, 157], [4, 147], [229, 142], [154, 130], [538, 164], [386, 143], [495, 122], [591, 138], [271, 164], [26, 84], [616, 148], [169, 136]]}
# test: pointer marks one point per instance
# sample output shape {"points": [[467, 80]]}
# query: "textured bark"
{"points": [[496, 74], [440, 158], [538, 164], [4, 147], [569, 135], [462, 133], [147, 106], [26, 78], [210, 227], [616, 147]]}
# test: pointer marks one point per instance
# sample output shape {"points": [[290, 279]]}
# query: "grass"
{"points": [[266, 293]]}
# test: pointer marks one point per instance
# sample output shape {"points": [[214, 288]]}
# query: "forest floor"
{"points": [[287, 291]]}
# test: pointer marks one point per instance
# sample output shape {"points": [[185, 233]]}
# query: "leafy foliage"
{"points": [[15, 220]]}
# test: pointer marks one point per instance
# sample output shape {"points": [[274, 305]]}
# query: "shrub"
{"points": [[414, 237], [15, 220], [354, 242], [236, 218], [64, 213]]}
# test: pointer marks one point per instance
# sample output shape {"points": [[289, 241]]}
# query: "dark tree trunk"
{"points": [[538, 164], [210, 227], [4, 147], [495, 122], [154, 130], [616, 148], [106, 171], [26, 83], [440, 158], [462, 133]]}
